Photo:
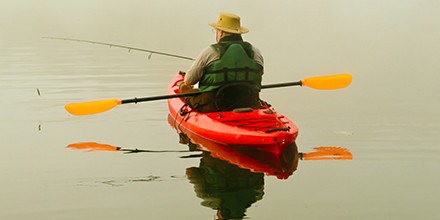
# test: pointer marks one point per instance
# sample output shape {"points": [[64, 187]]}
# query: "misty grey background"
{"points": [[388, 118]]}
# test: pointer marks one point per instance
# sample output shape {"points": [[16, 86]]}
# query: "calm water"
{"points": [[389, 118]]}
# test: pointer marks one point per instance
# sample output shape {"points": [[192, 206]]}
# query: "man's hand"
{"points": [[185, 87]]}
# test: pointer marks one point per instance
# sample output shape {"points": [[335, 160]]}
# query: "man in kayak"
{"points": [[231, 61]]}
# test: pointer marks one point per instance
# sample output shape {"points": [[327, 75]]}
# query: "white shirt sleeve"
{"points": [[195, 72], [258, 57]]}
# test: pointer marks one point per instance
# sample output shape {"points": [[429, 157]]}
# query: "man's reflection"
{"points": [[225, 187], [230, 179]]}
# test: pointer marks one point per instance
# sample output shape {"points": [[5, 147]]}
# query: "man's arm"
{"points": [[195, 72]]}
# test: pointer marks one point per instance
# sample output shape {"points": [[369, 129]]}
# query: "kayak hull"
{"points": [[263, 129]]}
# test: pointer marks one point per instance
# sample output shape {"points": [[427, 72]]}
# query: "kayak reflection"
{"points": [[258, 161]]}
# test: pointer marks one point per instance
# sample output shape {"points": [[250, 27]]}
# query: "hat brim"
{"points": [[241, 30]]}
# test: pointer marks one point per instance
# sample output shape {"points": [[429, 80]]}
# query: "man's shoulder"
{"points": [[209, 49], [209, 53]]}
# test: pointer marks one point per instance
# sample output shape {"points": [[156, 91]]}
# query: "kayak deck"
{"points": [[263, 128]]}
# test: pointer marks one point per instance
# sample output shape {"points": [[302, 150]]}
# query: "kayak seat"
{"points": [[236, 95]]}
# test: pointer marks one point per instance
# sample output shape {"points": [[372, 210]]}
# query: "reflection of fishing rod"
{"points": [[121, 46]]}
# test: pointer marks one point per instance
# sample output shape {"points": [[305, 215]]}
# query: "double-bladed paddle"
{"points": [[329, 82]]}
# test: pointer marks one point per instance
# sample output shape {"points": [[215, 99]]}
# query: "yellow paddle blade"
{"points": [[92, 146], [328, 153], [336, 81], [92, 107]]}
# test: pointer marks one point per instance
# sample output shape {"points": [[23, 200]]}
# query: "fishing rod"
{"points": [[122, 46]]}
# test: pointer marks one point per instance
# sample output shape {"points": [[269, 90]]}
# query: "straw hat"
{"points": [[230, 23]]}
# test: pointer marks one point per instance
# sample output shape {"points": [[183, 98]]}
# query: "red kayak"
{"points": [[263, 129]]}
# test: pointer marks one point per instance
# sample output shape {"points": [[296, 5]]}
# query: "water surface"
{"points": [[388, 118]]}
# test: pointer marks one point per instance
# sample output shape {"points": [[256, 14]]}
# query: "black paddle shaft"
{"points": [[298, 83], [161, 97]]}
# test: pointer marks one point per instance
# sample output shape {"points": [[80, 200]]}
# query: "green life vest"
{"points": [[236, 64]]}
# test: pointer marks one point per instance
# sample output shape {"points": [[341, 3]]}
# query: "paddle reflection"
{"points": [[229, 179]]}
